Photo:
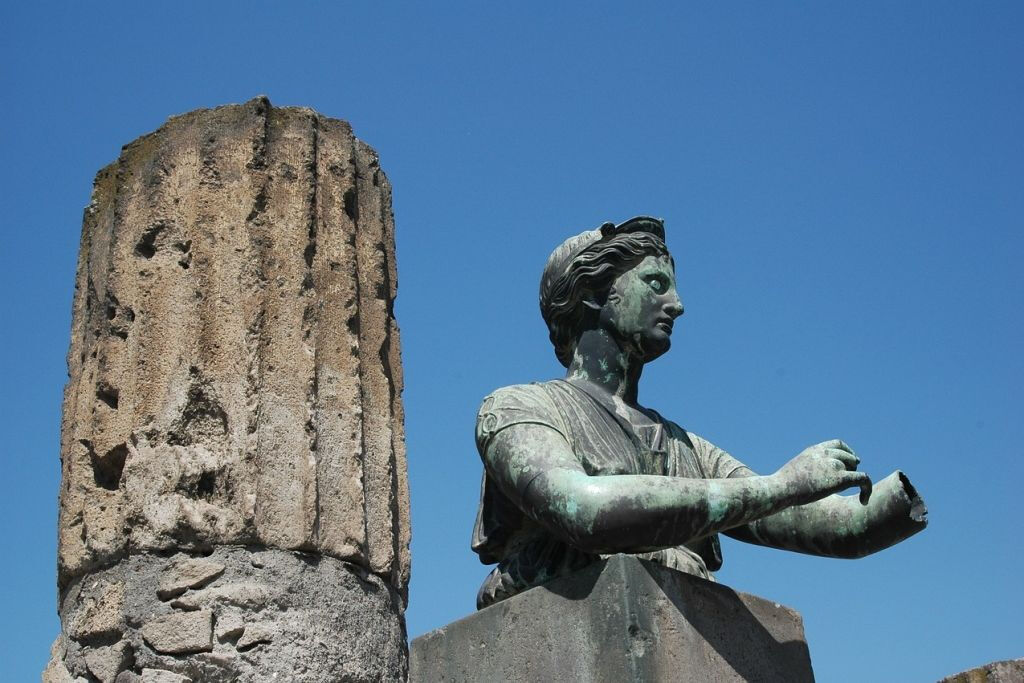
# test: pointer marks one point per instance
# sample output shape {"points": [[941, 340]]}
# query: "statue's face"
{"points": [[641, 307]]}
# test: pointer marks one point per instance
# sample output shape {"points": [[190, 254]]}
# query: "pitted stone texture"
{"points": [[297, 616], [234, 369], [620, 619]]}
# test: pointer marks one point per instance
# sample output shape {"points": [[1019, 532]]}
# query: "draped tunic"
{"points": [[606, 440]]}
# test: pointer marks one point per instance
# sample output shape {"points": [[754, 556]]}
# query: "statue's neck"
{"points": [[606, 365]]}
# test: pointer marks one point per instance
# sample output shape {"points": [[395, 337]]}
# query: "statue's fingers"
{"points": [[836, 444], [864, 482], [849, 460]]}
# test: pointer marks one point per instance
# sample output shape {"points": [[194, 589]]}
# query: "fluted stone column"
{"points": [[234, 503]]}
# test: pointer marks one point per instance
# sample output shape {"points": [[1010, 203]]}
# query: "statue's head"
{"points": [[583, 270]]}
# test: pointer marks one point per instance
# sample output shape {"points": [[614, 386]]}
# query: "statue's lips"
{"points": [[665, 325]]}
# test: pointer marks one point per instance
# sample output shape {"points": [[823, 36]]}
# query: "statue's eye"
{"points": [[657, 285]]}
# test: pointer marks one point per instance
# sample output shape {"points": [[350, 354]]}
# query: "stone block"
{"points": [[101, 614], [161, 676], [105, 663], [1007, 671], [180, 632], [191, 573], [230, 625], [256, 633], [621, 619], [55, 671]]}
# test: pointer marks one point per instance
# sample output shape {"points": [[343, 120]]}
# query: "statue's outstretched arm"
{"points": [[840, 526], [535, 468]]}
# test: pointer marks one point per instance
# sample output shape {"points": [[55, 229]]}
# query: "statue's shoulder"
{"points": [[516, 404], [518, 395]]}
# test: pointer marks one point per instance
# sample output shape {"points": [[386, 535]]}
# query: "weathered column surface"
{"points": [[233, 503]]}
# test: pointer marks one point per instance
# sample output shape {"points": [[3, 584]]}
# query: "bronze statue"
{"points": [[575, 468]]}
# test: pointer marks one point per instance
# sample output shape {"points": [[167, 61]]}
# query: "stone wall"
{"points": [[234, 500]]}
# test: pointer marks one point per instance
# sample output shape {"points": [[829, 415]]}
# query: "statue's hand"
{"points": [[823, 469]]}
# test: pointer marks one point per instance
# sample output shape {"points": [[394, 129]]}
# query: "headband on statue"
{"points": [[655, 226], [568, 250]]}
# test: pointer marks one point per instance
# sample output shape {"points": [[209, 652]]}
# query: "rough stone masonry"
{"points": [[234, 503]]}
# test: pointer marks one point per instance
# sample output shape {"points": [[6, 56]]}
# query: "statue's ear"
{"points": [[596, 300]]}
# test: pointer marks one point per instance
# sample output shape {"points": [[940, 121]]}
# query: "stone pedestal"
{"points": [[622, 619], [233, 503]]}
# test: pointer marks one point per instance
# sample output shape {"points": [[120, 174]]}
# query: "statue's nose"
{"points": [[674, 307]]}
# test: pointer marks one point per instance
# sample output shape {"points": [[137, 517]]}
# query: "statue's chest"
{"points": [[631, 444]]}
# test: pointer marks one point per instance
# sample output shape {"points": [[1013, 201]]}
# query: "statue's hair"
{"points": [[583, 268]]}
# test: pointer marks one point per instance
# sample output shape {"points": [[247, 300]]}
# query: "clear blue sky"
{"points": [[843, 186]]}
